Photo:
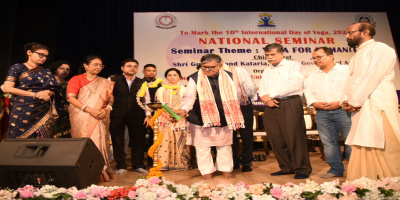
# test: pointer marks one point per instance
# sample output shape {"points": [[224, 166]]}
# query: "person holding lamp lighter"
{"points": [[173, 151], [214, 111]]}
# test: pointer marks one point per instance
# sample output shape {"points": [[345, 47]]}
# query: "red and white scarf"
{"points": [[231, 106], [244, 99]]}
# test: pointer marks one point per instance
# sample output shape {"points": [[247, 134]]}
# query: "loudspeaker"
{"points": [[63, 162]]}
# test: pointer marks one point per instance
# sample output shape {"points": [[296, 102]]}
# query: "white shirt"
{"points": [[326, 87], [130, 81], [247, 82], [190, 96], [283, 80]]}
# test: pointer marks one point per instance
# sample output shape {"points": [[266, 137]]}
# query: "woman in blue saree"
{"points": [[32, 113]]}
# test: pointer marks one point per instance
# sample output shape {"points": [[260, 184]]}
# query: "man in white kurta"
{"points": [[372, 99], [323, 91], [213, 112]]}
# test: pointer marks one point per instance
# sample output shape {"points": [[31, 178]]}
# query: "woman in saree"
{"points": [[173, 151], [32, 110], [91, 100], [62, 71]]}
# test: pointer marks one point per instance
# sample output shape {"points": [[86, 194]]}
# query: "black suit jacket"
{"points": [[125, 98]]}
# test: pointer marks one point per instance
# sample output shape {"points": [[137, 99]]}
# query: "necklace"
{"points": [[175, 99], [30, 65], [174, 88], [92, 90]]}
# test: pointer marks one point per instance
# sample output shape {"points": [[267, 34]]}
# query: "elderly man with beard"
{"points": [[214, 112], [280, 88], [375, 132]]}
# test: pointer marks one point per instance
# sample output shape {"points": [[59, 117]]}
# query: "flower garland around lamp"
{"points": [[155, 171], [143, 90], [154, 84], [174, 88]]}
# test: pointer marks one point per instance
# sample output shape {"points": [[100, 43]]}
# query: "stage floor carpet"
{"points": [[261, 173]]}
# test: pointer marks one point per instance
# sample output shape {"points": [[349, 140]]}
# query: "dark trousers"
{"points": [[246, 134], [150, 141], [137, 137], [286, 132]]}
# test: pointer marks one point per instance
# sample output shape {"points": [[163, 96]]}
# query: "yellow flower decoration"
{"points": [[155, 171], [143, 89], [145, 85], [158, 81], [174, 88]]}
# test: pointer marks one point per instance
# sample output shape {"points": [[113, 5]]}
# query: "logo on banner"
{"points": [[365, 18], [265, 20], [165, 21]]}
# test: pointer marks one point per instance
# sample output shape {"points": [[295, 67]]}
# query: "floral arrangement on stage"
{"points": [[155, 171], [159, 188]]}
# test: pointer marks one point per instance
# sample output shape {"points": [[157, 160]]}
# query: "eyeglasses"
{"points": [[210, 67], [132, 66], [98, 65], [351, 32], [42, 55], [317, 57]]}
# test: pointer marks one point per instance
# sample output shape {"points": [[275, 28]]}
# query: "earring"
{"points": [[85, 69]]}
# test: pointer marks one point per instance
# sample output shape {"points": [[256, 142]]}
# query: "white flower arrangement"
{"points": [[158, 188]]}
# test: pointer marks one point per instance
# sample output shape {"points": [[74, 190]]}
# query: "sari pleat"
{"points": [[83, 125]]}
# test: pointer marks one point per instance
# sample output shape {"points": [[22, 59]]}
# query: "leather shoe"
{"points": [[279, 173], [262, 157], [301, 176], [236, 166], [246, 169], [254, 158]]}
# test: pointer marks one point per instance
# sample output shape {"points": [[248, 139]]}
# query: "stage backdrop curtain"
{"points": [[76, 28]]}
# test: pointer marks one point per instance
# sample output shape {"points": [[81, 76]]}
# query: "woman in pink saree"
{"points": [[91, 99]]}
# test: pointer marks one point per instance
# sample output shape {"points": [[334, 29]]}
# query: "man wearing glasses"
{"points": [[323, 91], [280, 88], [214, 112], [372, 99], [127, 112]]}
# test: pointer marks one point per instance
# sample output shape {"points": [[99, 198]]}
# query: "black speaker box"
{"points": [[63, 162]]}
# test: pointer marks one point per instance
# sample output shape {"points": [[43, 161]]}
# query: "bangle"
{"points": [[34, 96], [83, 108], [109, 107]]}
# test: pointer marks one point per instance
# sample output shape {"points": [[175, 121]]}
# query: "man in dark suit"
{"points": [[127, 112]]}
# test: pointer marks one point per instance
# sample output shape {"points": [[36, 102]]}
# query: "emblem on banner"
{"points": [[265, 20], [165, 21], [365, 18]]}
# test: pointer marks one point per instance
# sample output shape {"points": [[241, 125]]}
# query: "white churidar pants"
{"points": [[205, 163]]}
